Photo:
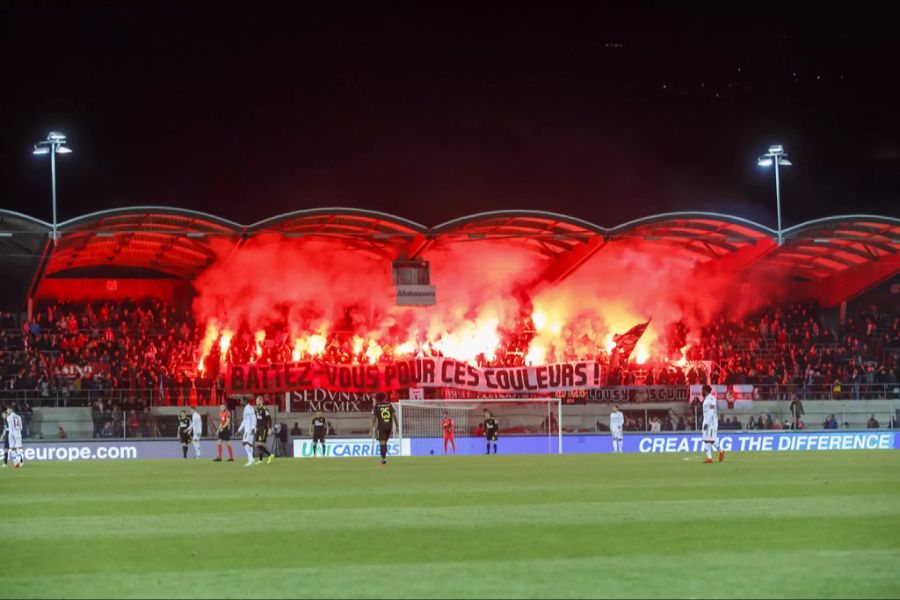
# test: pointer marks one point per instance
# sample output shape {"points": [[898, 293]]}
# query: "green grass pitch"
{"points": [[805, 524]]}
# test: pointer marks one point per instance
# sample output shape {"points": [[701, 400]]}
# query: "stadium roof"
{"points": [[175, 242], [167, 240], [832, 245], [23, 244], [376, 232]]}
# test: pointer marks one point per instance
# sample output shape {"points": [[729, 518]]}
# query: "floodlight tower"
{"points": [[53, 145], [776, 156]]}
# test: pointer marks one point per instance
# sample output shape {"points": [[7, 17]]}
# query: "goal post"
{"points": [[524, 422]]}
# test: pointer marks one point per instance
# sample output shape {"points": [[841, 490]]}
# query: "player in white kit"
{"points": [[196, 431], [711, 426], [616, 424], [14, 431], [248, 429]]}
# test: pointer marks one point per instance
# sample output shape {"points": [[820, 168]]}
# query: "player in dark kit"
{"points": [[318, 427], [491, 428], [383, 422], [263, 424], [5, 436], [184, 431]]}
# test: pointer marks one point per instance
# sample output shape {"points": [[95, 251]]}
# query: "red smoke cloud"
{"points": [[314, 297], [307, 294]]}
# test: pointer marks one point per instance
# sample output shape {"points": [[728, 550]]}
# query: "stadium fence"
{"points": [[626, 394], [524, 420]]}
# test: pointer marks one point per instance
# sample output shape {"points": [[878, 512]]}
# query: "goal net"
{"points": [[526, 426]]}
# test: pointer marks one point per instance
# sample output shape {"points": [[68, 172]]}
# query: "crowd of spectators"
{"points": [[129, 418], [785, 352], [100, 350], [343, 346], [795, 349], [89, 350]]}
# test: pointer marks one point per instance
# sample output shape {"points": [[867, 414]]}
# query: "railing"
{"points": [[124, 424], [108, 425], [595, 417], [811, 416], [790, 391], [84, 398], [623, 394], [888, 353], [591, 418], [826, 391], [823, 347]]}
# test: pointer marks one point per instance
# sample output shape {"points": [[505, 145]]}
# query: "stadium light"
{"points": [[53, 145], [776, 156]]}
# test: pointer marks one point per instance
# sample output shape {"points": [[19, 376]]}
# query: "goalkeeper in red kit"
{"points": [[447, 428]]}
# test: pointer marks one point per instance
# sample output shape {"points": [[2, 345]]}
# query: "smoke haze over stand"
{"points": [[310, 294], [315, 288]]}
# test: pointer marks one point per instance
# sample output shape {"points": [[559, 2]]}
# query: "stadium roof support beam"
{"points": [[848, 283], [565, 264], [418, 246], [39, 272], [738, 260], [827, 254]]}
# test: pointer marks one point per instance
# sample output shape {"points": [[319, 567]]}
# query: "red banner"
{"points": [[734, 396], [419, 372]]}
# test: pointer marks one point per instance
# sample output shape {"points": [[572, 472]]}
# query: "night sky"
{"points": [[436, 110]]}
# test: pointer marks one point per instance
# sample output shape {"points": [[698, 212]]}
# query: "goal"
{"points": [[527, 425]]}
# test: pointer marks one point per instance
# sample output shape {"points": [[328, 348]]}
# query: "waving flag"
{"points": [[626, 342]]}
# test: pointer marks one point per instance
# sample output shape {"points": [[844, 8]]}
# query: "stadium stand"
{"points": [[117, 356], [148, 349]]}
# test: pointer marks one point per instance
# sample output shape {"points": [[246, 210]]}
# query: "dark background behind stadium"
{"points": [[432, 111]]}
